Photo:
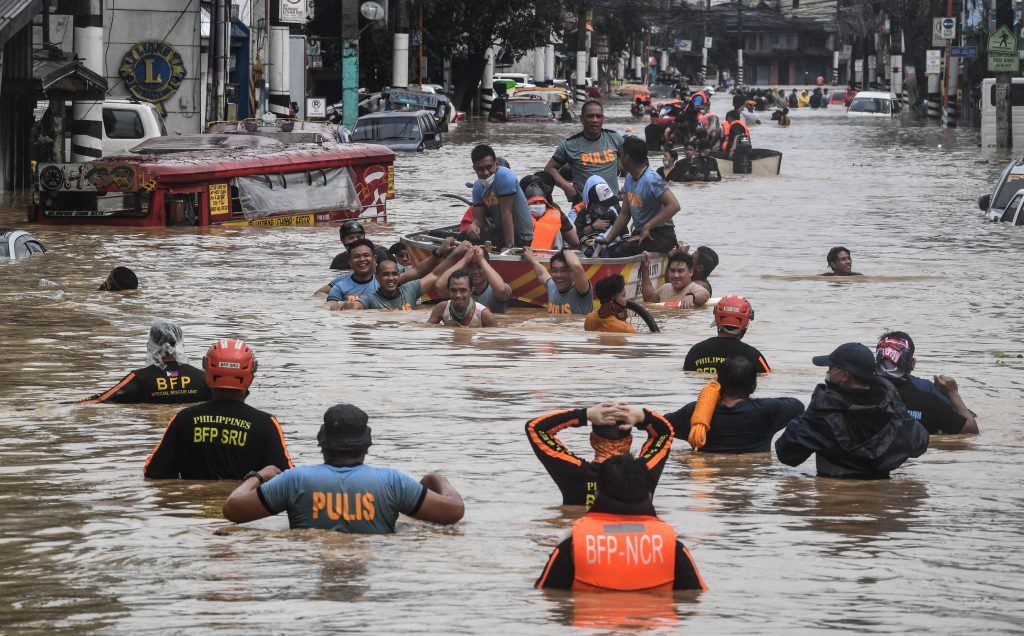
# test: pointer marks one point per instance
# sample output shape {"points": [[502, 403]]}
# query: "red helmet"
{"points": [[733, 313], [229, 364]]}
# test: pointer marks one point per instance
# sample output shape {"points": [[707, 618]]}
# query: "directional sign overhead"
{"points": [[963, 51]]}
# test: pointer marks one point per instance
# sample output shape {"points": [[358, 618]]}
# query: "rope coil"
{"points": [[703, 411]]}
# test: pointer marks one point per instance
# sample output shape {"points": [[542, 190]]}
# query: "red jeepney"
{"points": [[293, 184]]}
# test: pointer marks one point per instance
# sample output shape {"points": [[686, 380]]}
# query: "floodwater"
{"points": [[89, 545]]}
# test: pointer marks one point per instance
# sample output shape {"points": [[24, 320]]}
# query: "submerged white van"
{"points": [[874, 104]]}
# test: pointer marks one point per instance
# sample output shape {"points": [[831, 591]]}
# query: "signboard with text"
{"points": [[293, 12], [933, 62], [963, 51], [1002, 51], [943, 30]]}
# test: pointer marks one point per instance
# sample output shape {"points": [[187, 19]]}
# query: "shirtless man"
{"points": [[460, 310], [680, 290]]}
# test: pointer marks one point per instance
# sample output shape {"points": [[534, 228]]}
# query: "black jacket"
{"points": [[855, 434]]}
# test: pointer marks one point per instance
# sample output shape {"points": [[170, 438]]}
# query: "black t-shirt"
{"points": [[654, 135], [934, 413], [707, 355], [341, 260], [219, 439], [174, 384], [747, 427]]}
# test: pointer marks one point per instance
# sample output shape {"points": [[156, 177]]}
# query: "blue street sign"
{"points": [[963, 51]]}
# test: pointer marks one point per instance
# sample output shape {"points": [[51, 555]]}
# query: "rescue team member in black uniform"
{"points": [[350, 232], [740, 424], [856, 425], [167, 380], [224, 438], [620, 544], [732, 315], [894, 359], [612, 422], [119, 279]]}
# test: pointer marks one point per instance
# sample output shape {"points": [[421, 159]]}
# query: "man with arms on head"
{"points": [[344, 494], [224, 438], [460, 310], [611, 435], [488, 287], [680, 290], [732, 316], [620, 544], [501, 214], [648, 202], [938, 407], [359, 281], [739, 423], [611, 315], [350, 232], [569, 289], [856, 424], [592, 152], [403, 290], [840, 262], [168, 379]]}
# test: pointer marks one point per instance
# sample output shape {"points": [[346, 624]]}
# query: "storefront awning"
{"points": [[14, 15]]}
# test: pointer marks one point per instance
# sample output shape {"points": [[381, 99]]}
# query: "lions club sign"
{"points": [[152, 71]]}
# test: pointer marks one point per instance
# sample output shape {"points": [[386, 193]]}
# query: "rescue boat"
{"points": [[763, 163], [515, 271]]}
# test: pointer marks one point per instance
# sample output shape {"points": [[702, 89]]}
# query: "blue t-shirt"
{"points": [[344, 287], [569, 302], [642, 195], [408, 297], [360, 499], [504, 184]]}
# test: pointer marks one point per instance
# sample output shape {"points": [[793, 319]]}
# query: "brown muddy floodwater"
{"points": [[88, 545]]}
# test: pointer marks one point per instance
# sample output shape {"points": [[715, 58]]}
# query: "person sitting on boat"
{"points": [[359, 281], [597, 211], [119, 279], [501, 213], [224, 438], [735, 422], [460, 310], [705, 260], [856, 424], [620, 543], [709, 165], [611, 315], [611, 435], [569, 289], [344, 494], [168, 378], [551, 227], [402, 291], [648, 202], [488, 288], [937, 406], [680, 290], [400, 253], [840, 262], [593, 151], [732, 317], [350, 232]]}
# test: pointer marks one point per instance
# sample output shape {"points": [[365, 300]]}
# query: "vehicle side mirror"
{"points": [[983, 202]]}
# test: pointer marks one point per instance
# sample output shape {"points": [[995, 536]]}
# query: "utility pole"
{"points": [[400, 46], [739, 51], [87, 116], [350, 61], [220, 59], [948, 112], [1004, 17], [581, 54], [419, 49], [704, 50]]}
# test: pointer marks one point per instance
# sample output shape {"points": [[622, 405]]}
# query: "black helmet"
{"points": [[351, 226]]}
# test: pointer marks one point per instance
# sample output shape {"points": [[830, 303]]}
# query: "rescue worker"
{"points": [[611, 435], [224, 438], [620, 544], [680, 290], [648, 202], [344, 494], [611, 315], [733, 314], [460, 310], [350, 232], [569, 289], [500, 212], [119, 279], [734, 129], [168, 378], [593, 151], [856, 424]]}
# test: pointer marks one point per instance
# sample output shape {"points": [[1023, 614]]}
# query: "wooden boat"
{"points": [[763, 163], [520, 276]]}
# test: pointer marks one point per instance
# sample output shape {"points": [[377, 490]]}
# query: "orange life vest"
{"points": [[623, 552], [707, 99], [727, 127], [546, 229]]}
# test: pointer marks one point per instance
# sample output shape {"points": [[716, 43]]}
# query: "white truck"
{"points": [[126, 124]]}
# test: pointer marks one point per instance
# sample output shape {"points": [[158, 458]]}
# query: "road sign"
{"points": [[943, 30], [684, 45], [933, 62], [316, 108], [707, 43], [1002, 51], [963, 51]]}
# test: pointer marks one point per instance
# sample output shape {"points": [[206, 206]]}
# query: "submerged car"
{"points": [[15, 244], [412, 130], [875, 104], [837, 98], [1003, 203], [526, 109]]}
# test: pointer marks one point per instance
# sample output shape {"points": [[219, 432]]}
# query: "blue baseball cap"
{"points": [[852, 357]]}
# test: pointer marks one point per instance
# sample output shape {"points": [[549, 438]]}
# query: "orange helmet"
{"points": [[733, 313], [229, 364]]}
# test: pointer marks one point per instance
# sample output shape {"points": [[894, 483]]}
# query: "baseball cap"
{"points": [[352, 227], [602, 193], [893, 357], [852, 357], [344, 429]]}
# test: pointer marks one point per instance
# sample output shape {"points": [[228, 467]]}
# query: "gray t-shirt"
{"points": [[505, 184], [569, 302], [642, 196], [360, 499], [489, 300], [588, 158], [407, 298]]}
